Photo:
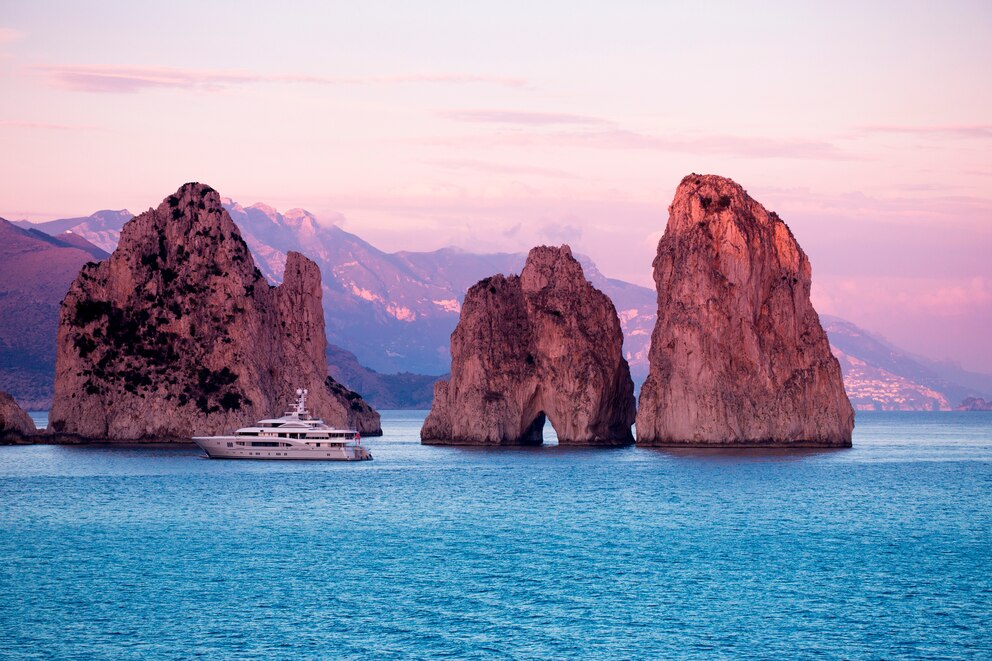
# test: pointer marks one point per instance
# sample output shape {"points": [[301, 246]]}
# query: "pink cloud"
{"points": [[941, 297], [955, 130], [622, 139], [736, 145], [126, 79], [903, 206], [19, 124], [498, 168], [441, 78], [522, 118]]}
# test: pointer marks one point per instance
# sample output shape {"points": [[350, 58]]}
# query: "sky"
{"points": [[503, 125]]}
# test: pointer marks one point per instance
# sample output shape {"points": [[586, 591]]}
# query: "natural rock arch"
{"points": [[545, 344], [535, 417]]}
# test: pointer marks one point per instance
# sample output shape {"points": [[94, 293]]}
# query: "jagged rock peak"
{"points": [[544, 344], [738, 355], [177, 333], [15, 423]]}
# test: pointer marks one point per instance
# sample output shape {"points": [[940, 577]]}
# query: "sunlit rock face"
{"points": [[738, 356], [544, 344], [177, 333]]}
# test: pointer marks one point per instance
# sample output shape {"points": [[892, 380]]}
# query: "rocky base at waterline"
{"points": [[16, 426], [738, 356], [177, 334], [542, 345], [44, 437]]}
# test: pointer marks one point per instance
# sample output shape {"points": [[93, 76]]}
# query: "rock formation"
{"points": [[15, 424], [177, 333], [738, 356], [542, 344], [974, 404]]}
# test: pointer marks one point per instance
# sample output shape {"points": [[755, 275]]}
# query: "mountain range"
{"points": [[389, 315], [35, 272]]}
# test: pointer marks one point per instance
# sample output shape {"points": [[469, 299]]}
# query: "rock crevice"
{"points": [[738, 355], [544, 344]]}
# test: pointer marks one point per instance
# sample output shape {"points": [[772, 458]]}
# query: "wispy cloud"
{"points": [[623, 139], [734, 145], [955, 130], [21, 124], [523, 118], [576, 130], [126, 79], [942, 297], [498, 168], [895, 205]]}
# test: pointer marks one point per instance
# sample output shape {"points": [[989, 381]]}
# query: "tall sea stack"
{"points": [[177, 333], [738, 356], [542, 344]]}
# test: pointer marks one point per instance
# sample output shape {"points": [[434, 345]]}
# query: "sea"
{"points": [[877, 552]]}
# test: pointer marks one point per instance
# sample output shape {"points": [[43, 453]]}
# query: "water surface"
{"points": [[882, 550]]}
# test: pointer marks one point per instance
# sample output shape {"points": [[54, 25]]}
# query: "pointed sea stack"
{"points": [[738, 356], [542, 344], [177, 333]]}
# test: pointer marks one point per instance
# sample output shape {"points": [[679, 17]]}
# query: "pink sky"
{"points": [[499, 126]]}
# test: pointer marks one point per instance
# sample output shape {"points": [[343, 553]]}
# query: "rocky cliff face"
{"points": [[738, 356], [15, 424], [542, 344], [177, 333]]}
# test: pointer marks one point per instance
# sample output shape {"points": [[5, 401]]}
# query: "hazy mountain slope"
{"points": [[383, 391], [878, 375], [35, 273]]}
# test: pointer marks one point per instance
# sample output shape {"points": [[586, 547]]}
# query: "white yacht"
{"points": [[293, 436]]}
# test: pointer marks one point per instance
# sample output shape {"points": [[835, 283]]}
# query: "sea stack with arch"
{"points": [[738, 356], [544, 344]]}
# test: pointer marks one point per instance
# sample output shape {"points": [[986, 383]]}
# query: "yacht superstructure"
{"points": [[296, 435]]}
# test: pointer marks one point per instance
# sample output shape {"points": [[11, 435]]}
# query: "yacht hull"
{"points": [[224, 447]]}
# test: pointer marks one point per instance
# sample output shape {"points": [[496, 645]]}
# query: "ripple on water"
{"points": [[881, 550]]}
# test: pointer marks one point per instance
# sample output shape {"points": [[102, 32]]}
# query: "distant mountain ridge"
{"points": [[102, 228], [879, 375], [394, 312]]}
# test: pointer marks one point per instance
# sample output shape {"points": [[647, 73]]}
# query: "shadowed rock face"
{"points": [[542, 344], [15, 424], [738, 356], [177, 333]]}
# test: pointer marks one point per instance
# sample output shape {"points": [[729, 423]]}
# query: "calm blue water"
{"points": [[884, 550]]}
